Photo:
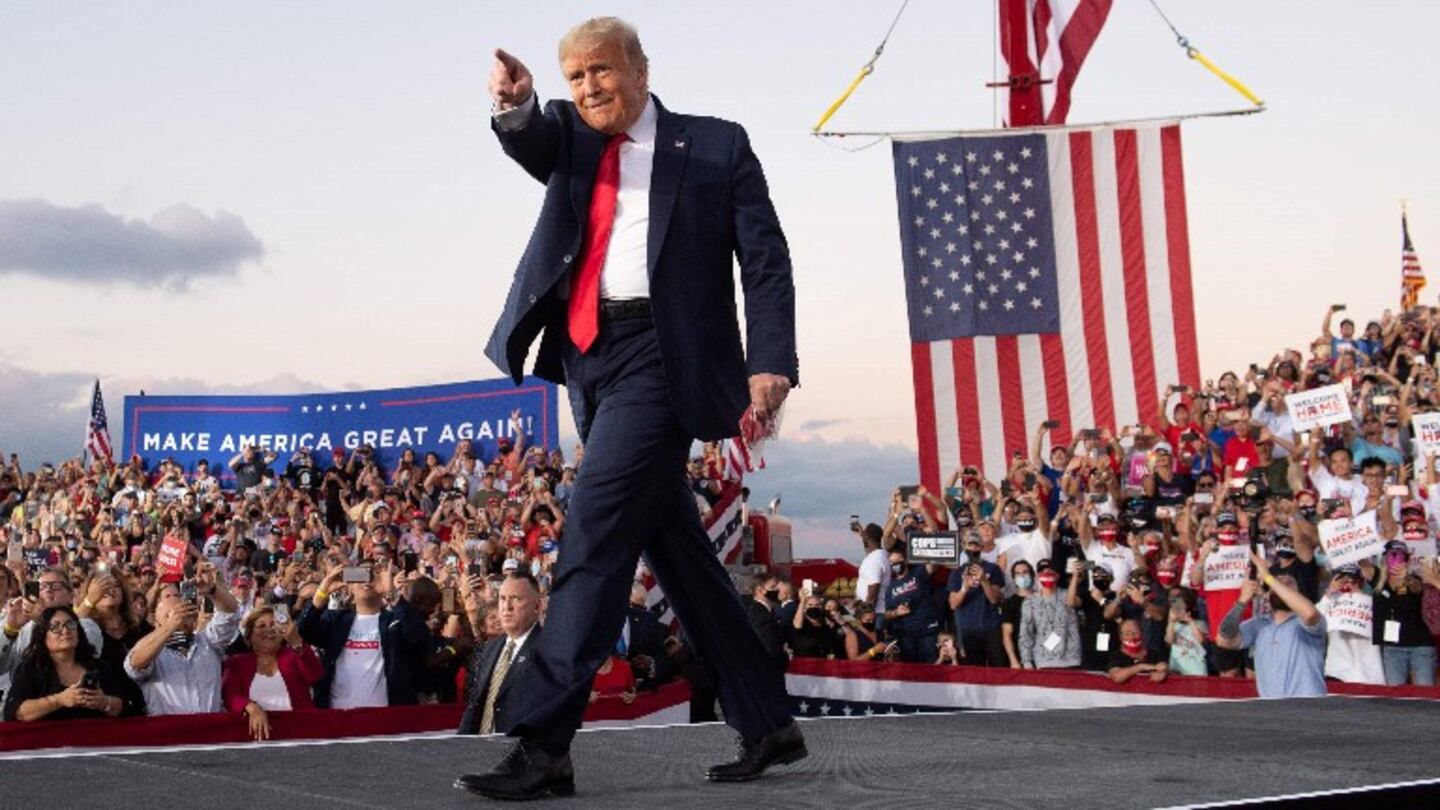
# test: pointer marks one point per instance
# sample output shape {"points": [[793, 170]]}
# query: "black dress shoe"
{"points": [[780, 747], [527, 772]]}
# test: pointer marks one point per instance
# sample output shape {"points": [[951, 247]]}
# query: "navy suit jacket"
{"points": [[477, 682], [709, 205]]}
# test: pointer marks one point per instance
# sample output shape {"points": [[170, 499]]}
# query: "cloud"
{"points": [[812, 425], [88, 243], [822, 483], [46, 413]]}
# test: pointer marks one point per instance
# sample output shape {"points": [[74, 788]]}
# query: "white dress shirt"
{"points": [[626, 272], [187, 684]]}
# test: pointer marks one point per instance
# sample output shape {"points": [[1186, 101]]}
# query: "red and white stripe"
{"points": [[725, 528], [1127, 322], [1059, 36]]}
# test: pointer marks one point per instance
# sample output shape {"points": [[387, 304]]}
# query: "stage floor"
{"points": [[1141, 756]]}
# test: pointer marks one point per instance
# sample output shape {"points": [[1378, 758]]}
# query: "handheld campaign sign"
{"points": [[933, 549], [170, 562], [1427, 434], [1352, 613], [1227, 567], [1318, 407], [1351, 540], [434, 417]]}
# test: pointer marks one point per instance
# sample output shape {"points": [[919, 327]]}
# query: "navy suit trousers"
{"points": [[631, 498]]}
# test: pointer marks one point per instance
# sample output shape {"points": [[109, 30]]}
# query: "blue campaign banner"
{"points": [[432, 417]]}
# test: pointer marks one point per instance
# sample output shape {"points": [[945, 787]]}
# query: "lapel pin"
{"points": [[679, 144]]}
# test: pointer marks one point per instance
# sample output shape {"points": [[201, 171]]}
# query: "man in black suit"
{"points": [[490, 702], [629, 275]]}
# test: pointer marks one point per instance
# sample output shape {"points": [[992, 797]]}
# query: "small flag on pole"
{"points": [[1412, 278], [97, 435]]}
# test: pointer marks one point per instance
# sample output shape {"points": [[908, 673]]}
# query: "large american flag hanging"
{"points": [[1047, 275], [1412, 278], [97, 433]]}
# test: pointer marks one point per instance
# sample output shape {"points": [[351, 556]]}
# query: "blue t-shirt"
{"points": [[913, 589], [1289, 657], [1361, 450], [976, 613]]}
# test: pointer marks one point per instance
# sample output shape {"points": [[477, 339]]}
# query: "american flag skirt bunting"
{"points": [[1047, 277]]}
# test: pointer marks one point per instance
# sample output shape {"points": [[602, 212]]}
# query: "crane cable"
{"points": [[864, 71]]}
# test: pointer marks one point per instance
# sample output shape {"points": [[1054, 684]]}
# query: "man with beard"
{"points": [[1288, 645]]}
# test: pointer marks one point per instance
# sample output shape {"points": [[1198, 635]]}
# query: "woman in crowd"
{"points": [[1406, 647], [107, 600], [1049, 629], [862, 640], [1185, 634], [1133, 657], [62, 677], [276, 675], [1022, 576]]}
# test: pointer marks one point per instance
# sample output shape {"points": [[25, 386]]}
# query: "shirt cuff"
{"points": [[516, 117]]}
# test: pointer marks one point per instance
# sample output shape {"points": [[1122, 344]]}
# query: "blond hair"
{"points": [[597, 30]]}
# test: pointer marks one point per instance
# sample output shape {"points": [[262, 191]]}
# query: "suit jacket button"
{"points": [[568, 257], [532, 299]]}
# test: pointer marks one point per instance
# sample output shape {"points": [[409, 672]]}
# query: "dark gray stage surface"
{"points": [[1112, 758]]}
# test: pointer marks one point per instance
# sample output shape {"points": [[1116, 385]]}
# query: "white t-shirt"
{"points": [[1328, 486], [269, 691], [1120, 560], [360, 669], [1032, 546], [874, 570], [1348, 657]]}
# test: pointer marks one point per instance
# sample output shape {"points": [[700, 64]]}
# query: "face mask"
{"points": [[1166, 576], [1276, 603], [814, 613], [972, 554], [1048, 580], [534, 568], [897, 568], [773, 595], [870, 625], [1106, 535], [1228, 537], [1307, 512], [1133, 646], [1345, 587], [1024, 581], [1026, 525]]}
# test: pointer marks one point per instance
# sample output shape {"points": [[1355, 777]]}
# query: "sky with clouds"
{"points": [[200, 196]]}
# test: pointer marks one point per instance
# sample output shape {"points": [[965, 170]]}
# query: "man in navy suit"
{"points": [[628, 274], [489, 702]]}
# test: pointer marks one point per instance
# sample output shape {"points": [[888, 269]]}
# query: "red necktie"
{"points": [[585, 283]]}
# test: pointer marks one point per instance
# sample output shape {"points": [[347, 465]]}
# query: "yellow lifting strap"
{"points": [[1239, 86]]}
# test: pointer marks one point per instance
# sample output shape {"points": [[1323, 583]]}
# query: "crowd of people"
{"points": [[359, 584], [1111, 552]]}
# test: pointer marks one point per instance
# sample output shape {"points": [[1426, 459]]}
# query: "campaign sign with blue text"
{"points": [[432, 417]]}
